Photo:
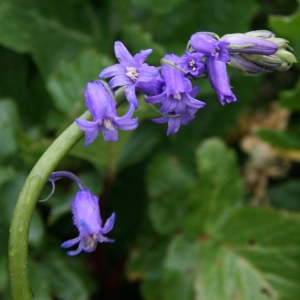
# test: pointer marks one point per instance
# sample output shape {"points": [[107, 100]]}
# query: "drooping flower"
{"points": [[132, 72], [178, 94], [102, 106], [219, 80], [205, 44], [87, 219], [174, 121], [192, 64], [246, 66]]}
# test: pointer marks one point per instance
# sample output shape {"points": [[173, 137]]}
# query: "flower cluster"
{"points": [[169, 88]]}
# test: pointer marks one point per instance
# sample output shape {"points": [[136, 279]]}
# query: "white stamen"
{"points": [[108, 124], [132, 73], [90, 241], [177, 96]]}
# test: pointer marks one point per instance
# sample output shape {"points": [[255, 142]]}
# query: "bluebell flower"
{"points": [[205, 44], [133, 72], [178, 94], [244, 43], [102, 106], [241, 63], [87, 219], [219, 80], [174, 121], [192, 64]]}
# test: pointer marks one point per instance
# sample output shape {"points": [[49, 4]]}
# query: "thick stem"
{"points": [[19, 230]]}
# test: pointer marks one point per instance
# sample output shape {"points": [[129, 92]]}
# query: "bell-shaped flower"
{"points": [[174, 121], [178, 94], [132, 72], [219, 80], [87, 219], [192, 64], [102, 106], [205, 44]]}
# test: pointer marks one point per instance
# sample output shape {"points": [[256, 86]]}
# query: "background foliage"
{"points": [[209, 213]]}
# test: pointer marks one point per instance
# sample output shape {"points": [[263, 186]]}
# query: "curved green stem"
{"points": [[19, 230]]}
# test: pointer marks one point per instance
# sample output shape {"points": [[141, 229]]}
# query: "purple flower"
{"points": [[86, 216], [175, 121], [192, 64], [178, 94], [219, 80], [133, 72], [102, 107], [243, 43], [239, 62], [204, 43]]}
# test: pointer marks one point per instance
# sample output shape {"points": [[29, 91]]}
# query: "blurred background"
{"points": [[210, 213]]}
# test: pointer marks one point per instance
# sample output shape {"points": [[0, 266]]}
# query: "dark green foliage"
{"points": [[183, 229]]}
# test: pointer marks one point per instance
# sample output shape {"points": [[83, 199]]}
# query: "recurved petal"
{"points": [[91, 130], [109, 224], [173, 125], [70, 243], [139, 58], [111, 71], [119, 80], [129, 124], [131, 96]]}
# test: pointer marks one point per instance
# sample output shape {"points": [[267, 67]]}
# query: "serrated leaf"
{"points": [[180, 268], [218, 190], [168, 183]]}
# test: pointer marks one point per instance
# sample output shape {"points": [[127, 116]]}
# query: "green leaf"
{"points": [[140, 144], [66, 85], [49, 31], [6, 174], [168, 183], [137, 39], [290, 98], [146, 262], [266, 243], [179, 268], [37, 230], [217, 192], [65, 282], [286, 195], [8, 128], [279, 139], [287, 27], [38, 281], [3, 273]]}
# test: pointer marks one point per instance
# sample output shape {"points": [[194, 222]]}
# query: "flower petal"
{"points": [[110, 135], [173, 125], [91, 129], [109, 224], [70, 243], [119, 80], [112, 71], [139, 58], [131, 96], [122, 54]]}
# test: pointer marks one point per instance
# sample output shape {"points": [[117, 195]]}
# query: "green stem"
{"points": [[19, 230]]}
